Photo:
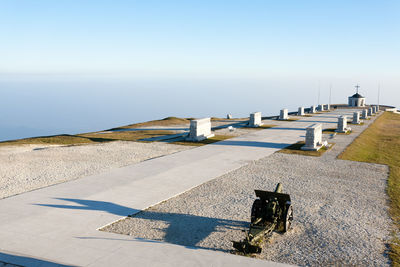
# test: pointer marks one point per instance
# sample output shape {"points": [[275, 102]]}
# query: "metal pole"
{"points": [[379, 93], [319, 91]]}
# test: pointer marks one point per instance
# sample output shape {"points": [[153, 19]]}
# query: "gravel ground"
{"points": [[340, 210], [28, 167]]}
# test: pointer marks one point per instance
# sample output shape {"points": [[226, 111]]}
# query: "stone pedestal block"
{"points": [[255, 119], [301, 111], [370, 112], [321, 108], [364, 114], [342, 125], [312, 109], [229, 116], [313, 137], [284, 114], [200, 129], [356, 118]]}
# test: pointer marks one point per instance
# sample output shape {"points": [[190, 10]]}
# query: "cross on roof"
{"points": [[357, 86]]}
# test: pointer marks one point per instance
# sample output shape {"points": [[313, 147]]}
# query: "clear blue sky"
{"points": [[272, 48]]}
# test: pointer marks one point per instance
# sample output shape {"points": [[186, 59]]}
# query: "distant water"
{"points": [[34, 107]]}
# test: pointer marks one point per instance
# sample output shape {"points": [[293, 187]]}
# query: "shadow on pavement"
{"points": [[26, 261], [93, 205], [176, 228]]}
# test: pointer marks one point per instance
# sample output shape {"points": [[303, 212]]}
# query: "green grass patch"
{"points": [[264, 126], [128, 135], [164, 122], [333, 130], [290, 119], [216, 119], [211, 140], [380, 143], [296, 149], [88, 138], [64, 139]]}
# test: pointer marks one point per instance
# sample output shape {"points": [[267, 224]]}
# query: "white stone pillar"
{"points": [[364, 114], [200, 129], [321, 107], [312, 109], [370, 111], [313, 137], [301, 111], [342, 125], [356, 118], [255, 119], [284, 114]]}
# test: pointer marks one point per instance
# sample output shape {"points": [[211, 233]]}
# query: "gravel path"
{"points": [[340, 210], [29, 167]]}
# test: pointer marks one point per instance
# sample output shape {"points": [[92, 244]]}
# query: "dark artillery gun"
{"points": [[270, 211]]}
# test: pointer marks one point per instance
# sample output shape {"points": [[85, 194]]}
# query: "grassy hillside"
{"points": [[164, 122], [99, 137], [116, 135], [380, 143]]}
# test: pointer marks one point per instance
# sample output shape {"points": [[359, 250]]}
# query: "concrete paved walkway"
{"points": [[58, 224]]}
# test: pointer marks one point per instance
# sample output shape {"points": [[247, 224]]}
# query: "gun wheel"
{"points": [[288, 218]]}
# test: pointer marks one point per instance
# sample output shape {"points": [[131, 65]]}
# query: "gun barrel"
{"points": [[278, 188]]}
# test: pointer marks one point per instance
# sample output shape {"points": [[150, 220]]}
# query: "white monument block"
{"points": [[313, 137], [356, 118], [312, 109], [364, 114], [301, 111], [321, 108], [200, 129], [284, 114], [370, 112], [255, 119], [342, 125], [229, 116]]}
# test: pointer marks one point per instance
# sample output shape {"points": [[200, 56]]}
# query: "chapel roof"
{"points": [[357, 95]]}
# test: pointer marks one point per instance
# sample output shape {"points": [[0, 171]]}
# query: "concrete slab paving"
{"points": [[58, 224]]}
